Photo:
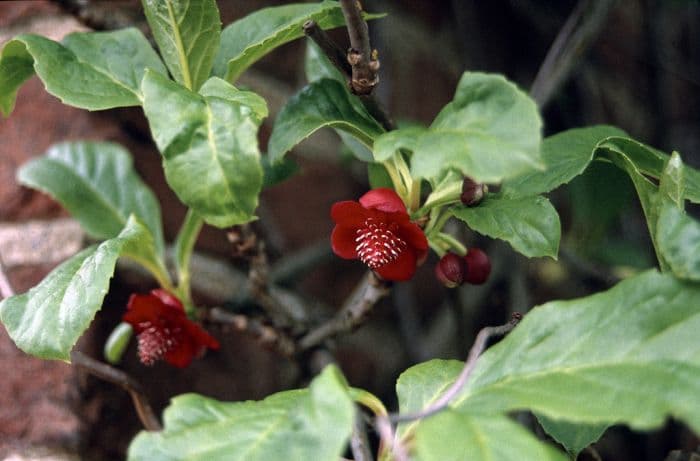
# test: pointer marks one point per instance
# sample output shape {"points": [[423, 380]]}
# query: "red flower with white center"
{"points": [[164, 331], [379, 232]]}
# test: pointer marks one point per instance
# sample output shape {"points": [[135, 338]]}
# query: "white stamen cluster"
{"points": [[377, 245], [154, 343]]}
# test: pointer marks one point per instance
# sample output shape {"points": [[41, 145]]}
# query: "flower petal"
{"points": [[383, 199], [168, 299], [141, 309], [402, 268], [349, 213], [182, 354], [343, 242], [413, 235]]}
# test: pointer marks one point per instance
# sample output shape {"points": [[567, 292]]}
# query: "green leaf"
{"points": [[308, 424], [574, 437], [48, 320], [678, 238], [90, 70], [318, 66], [322, 103], [404, 138], [489, 132], [423, 384], [378, 176], [566, 155], [245, 41], [646, 191], [210, 150], [454, 436], [97, 184], [188, 34], [529, 224], [216, 87], [277, 172], [628, 355], [672, 182], [651, 162]]}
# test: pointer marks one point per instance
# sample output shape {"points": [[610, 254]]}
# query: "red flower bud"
{"points": [[472, 192], [478, 266], [450, 270]]}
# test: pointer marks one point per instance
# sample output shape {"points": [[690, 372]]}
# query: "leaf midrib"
{"points": [[184, 66], [121, 219]]}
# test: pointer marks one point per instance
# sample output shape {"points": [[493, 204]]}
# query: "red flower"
{"points": [[164, 331], [378, 232]]}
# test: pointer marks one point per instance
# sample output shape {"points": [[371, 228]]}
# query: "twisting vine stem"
{"points": [[385, 423]]}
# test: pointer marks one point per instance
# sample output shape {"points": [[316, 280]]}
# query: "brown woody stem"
{"points": [[123, 380], [367, 293]]}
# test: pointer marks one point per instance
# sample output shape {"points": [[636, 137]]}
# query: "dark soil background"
{"points": [[641, 72]]}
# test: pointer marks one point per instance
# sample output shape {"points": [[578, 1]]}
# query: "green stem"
{"points": [[184, 245], [394, 175], [442, 197], [437, 221], [369, 400], [159, 272], [452, 243]]}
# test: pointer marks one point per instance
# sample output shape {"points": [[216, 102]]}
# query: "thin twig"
{"points": [[360, 56], [477, 349], [340, 60], [247, 244], [266, 335], [126, 382], [358, 441], [333, 52], [387, 439], [385, 423], [6, 290], [367, 293], [290, 267], [573, 40]]}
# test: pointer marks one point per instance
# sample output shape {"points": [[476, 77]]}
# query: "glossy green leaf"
{"points": [[489, 132], [423, 384], [245, 41], [188, 34], [574, 437], [323, 103], [97, 184], [90, 70], [455, 436], [318, 66], [378, 176], [678, 240], [628, 355], [566, 155], [404, 138], [646, 191], [277, 172], [48, 320], [308, 424], [529, 224], [651, 162], [672, 182], [210, 150], [216, 87]]}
